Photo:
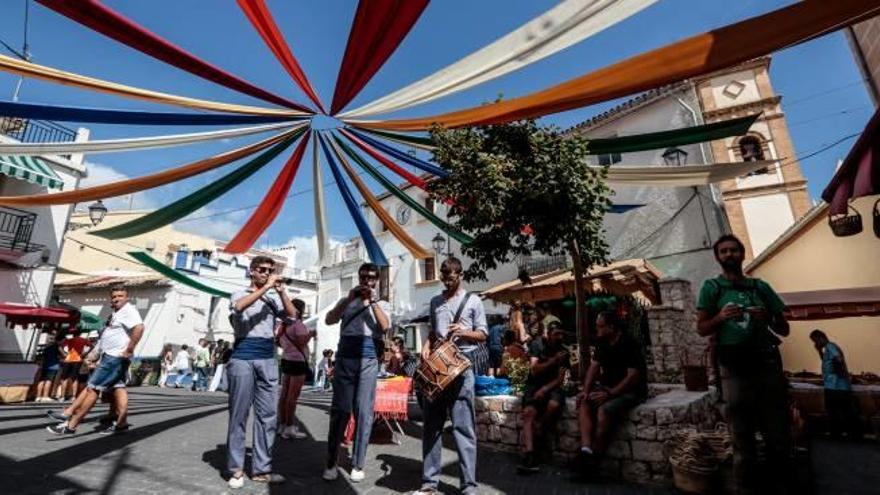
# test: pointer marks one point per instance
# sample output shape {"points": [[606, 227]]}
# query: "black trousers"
{"points": [[843, 413]]}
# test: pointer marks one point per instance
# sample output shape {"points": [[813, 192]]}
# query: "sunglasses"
{"points": [[264, 269]]}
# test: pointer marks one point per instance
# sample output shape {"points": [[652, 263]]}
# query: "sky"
{"points": [[823, 97]]}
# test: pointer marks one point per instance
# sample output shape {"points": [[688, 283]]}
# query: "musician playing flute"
{"points": [[364, 321], [456, 402]]}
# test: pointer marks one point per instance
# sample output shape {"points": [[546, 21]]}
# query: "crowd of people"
{"points": [[742, 317]]}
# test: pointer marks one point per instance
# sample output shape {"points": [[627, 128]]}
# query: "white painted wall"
{"points": [[767, 217], [748, 93], [31, 280]]}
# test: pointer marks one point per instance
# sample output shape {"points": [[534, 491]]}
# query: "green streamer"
{"points": [[673, 138], [406, 138], [175, 275], [188, 204], [412, 203]]}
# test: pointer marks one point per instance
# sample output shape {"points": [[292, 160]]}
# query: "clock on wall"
{"points": [[403, 214]]}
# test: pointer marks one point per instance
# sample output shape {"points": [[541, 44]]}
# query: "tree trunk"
{"points": [[580, 298]]}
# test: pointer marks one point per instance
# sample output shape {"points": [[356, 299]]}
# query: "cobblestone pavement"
{"points": [[177, 442]]}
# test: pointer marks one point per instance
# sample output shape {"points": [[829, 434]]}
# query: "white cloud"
{"points": [[221, 227], [305, 256], [99, 173]]}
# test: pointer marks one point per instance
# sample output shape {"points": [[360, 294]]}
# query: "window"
{"points": [[752, 150], [609, 159], [427, 269], [429, 204]]}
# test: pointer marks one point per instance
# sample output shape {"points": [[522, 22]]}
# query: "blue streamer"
{"points": [[106, 116], [373, 249], [415, 162], [623, 208]]}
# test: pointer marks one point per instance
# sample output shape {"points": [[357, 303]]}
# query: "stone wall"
{"points": [[636, 452], [673, 329]]}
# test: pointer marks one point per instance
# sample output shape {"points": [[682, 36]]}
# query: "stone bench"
{"points": [[635, 454]]}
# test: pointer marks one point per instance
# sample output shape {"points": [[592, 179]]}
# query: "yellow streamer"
{"points": [[28, 69]]}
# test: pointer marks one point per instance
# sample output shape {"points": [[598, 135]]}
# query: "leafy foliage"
{"points": [[507, 181]]}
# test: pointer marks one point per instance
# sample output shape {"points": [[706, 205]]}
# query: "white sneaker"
{"points": [[357, 475], [298, 434], [236, 483], [330, 474]]}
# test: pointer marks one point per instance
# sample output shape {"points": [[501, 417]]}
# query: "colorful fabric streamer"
{"points": [[374, 251], [391, 225], [625, 144], [570, 22], [388, 150], [701, 54], [258, 13], [163, 269], [128, 117], [686, 175], [115, 145], [378, 28], [672, 138], [192, 202], [402, 172], [102, 19], [28, 69], [320, 217], [271, 205], [422, 142], [129, 186], [406, 198]]}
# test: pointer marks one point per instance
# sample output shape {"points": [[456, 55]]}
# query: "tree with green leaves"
{"points": [[521, 189]]}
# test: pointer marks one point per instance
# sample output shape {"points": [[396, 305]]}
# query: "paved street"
{"points": [[177, 446]]}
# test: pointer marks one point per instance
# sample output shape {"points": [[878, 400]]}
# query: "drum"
{"points": [[444, 365]]}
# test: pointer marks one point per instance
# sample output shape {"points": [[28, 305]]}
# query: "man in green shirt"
{"points": [[741, 315]]}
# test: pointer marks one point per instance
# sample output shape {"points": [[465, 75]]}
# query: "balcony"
{"points": [[36, 131], [16, 229]]}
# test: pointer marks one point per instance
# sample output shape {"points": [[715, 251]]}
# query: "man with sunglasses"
{"points": [[457, 315], [252, 372], [364, 321]]}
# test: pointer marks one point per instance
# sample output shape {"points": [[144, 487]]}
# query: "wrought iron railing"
{"points": [[537, 265], [35, 131], [16, 229]]}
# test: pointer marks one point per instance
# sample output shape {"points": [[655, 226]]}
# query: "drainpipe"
{"points": [[723, 224]]}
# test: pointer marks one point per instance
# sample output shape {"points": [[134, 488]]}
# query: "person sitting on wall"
{"points": [[614, 384], [401, 363], [513, 350], [544, 397]]}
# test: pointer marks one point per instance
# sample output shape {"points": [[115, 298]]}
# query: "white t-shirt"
{"points": [[115, 338], [181, 362]]}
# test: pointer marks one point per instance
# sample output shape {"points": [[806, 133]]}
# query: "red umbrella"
{"points": [[22, 314]]}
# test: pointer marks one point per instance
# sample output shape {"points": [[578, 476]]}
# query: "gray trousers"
{"points": [[457, 403], [251, 384], [354, 391]]}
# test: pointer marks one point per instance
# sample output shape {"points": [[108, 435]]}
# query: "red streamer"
{"points": [[259, 15], [378, 28], [269, 208], [93, 14], [407, 175]]}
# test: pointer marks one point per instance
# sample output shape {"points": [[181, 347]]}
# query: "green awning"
{"points": [[31, 169], [90, 322]]}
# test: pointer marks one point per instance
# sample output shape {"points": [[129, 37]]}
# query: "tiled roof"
{"points": [[629, 105]]}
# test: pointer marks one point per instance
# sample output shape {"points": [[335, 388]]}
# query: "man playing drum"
{"points": [[458, 315]]}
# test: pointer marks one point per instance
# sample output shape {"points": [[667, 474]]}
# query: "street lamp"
{"points": [[439, 243], [674, 157], [97, 212]]}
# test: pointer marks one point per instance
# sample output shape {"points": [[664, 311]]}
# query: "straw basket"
{"points": [[693, 479], [877, 218]]}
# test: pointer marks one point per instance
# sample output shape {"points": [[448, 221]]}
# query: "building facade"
{"points": [[31, 238], [173, 313]]}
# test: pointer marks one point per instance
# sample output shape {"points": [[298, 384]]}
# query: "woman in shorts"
{"points": [[293, 338]]}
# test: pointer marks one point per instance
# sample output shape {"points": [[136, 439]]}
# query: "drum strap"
{"points": [[461, 306]]}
